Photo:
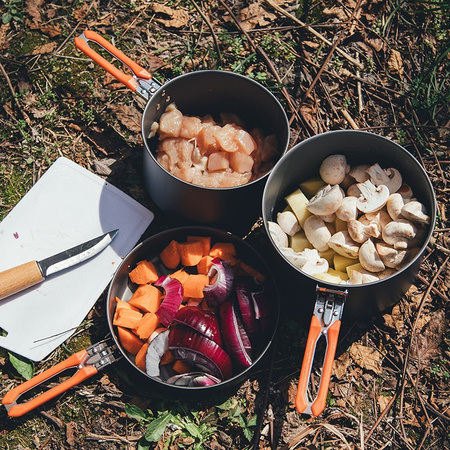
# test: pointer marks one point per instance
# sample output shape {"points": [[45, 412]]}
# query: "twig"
{"points": [[349, 118], [315, 33]]}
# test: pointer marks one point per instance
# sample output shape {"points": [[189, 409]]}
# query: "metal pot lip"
{"points": [[285, 160], [218, 233]]}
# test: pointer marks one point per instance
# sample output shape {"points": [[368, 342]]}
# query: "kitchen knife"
{"points": [[26, 275]]}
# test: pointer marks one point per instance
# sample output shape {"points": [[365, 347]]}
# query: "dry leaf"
{"points": [[43, 49], [51, 30], [341, 365], [366, 357], [395, 63], [3, 35], [33, 9], [177, 18], [255, 16], [383, 401], [128, 116]]}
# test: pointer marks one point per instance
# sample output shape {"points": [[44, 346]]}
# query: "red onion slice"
{"points": [[172, 299], [201, 320], [237, 342], [262, 308], [197, 379], [243, 287], [156, 349], [221, 289], [188, 345]]}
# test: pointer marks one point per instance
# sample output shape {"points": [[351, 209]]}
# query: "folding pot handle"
{"points": [[140, 82]]}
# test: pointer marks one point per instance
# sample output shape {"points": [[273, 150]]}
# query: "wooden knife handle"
{"points": [[19, 278]]}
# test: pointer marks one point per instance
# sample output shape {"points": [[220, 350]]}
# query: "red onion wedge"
{"points": [[156, 349], [261, 307], [244, 287], [193, 379], [172, 299], [221, 289], [190, 346], [201, 320], [237, 342]]}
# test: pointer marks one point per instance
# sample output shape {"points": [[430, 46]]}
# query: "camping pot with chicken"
{"points": [[210, 137], [349, 214]]}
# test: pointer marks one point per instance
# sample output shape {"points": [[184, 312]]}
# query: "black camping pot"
{"points": [[208, 92], [122, 288], [328, 300]]}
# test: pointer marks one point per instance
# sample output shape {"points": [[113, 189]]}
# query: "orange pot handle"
{"points": [[325, 322]]}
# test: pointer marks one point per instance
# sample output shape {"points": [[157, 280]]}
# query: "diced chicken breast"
{"points": [[246, 144], [206, 140], [222, 179], [240, 162], [225, 138], [190, 127], [218, 161], [179, 152], [170, 122]]}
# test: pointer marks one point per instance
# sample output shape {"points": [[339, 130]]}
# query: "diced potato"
{"points": [[341, 262], [298, 201], [332, 276], [311, 186], [328, 255], [356, 266], [298, 242], [340, 225]]}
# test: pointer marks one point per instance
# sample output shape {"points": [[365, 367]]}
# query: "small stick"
{"points": [[349, 118]]}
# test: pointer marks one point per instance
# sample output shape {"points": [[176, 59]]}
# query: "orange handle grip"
{"points": [[301, 401], [82, 44], [17, 410]]}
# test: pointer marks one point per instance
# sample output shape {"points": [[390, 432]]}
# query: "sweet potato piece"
{"points": [[167, 358], [252, 271], [127, 318], [204, 265], [194, 285], [143, 273], [205, 240], [170, 256], [223, 250], [124, 304], [129, 341], [146, 326], [190, 252], [140, 357], [147, 298], [180, 366], [180, 275]]}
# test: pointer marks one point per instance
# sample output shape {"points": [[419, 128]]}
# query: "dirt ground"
{"points": [[379, 66]]}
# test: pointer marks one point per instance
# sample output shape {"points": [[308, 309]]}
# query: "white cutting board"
{"points": [[67, 206]]}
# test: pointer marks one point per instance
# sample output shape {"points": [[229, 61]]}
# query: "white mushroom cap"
{"points": [[360, 232], [394, 205], [391, 178], [362, 277], [317, 233], [399, 233], [381, 218], [344, 245], [329, 218], [333, 169], [405, 191], [326, 201], [298, 259], [353, 190], [369, 257], [348, 209], [314, 264], [415, 212], [372, 197], [359, 173], [288, 222], [391, 257], [279, 237]]}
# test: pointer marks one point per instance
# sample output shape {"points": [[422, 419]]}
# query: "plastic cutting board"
{"points": [[67, 206]]}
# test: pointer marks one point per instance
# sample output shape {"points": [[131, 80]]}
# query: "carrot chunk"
{"points": [[126, 318], [129, 341], [140, 357], [170, 256], [205, 240], [204, 265], [190, 252], [144, 272], [252, 271], [180, 366], [223, 250], [147, 298], [123, 304], [194, 285], [146, 326], [167, 358], [180, 275]]}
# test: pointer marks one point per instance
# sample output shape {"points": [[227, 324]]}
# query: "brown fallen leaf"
{"points": [[341, 365], [4, 43], [49, 47], [383, 401], [176, 18], [366, 357], [51, 30], [395, 63], [33, 9], [129, 116], [254, 16]]}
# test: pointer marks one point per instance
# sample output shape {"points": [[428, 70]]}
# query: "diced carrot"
{"points": [[140, 357], [144, 272], [146, 326], [205, 240], [129, 341], [180, 275], [167, 358], [252, 271], [204, 265], [147, 298], [180, 366], [223, 250], [170, 256], [123, 304], [126, 318], [190, 252], [194, 285]]}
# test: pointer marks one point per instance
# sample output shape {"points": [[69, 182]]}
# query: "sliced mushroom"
{"points": [[348, 209], [317, 233], [386, 273], [394, 205], [326, 201], [372, 197], [344, 245], [369, 257], [328, 218], [381, 218], [391, 178], [314, 264], [298, 259], [399, 233], [360, 232], [333, 169], [278, 236], [415, 212], [353, 190], [392, 257], [359, 173], [288, 222], [362, 277], [405, 191]]}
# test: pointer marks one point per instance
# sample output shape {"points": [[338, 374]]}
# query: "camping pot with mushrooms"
{"points": [[349, 215], [253, 135]]}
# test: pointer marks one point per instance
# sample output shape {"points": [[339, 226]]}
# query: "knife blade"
{"points": [[31, 273]]}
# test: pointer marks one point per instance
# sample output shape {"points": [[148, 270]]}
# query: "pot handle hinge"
{"points": [[326, 322]]}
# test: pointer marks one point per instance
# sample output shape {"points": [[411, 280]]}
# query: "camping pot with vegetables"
{"points": [[192, 310], [208, 94], [349, 215]]}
